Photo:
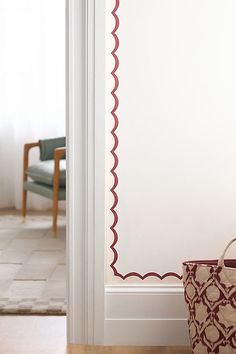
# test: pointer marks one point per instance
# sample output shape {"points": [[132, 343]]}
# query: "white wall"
{"points": [[176, 159], [177, 129], [32, 84]]}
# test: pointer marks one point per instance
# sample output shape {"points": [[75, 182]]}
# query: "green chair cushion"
{"points": [[47, 147], [44, 190], [43, 172]]}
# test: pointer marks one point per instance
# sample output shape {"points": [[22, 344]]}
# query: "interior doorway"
{"points": [[32, 147]]}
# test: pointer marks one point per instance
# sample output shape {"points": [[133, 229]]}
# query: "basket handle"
{"points": [[221, 262]]}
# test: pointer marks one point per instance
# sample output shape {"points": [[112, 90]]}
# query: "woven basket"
{"points": [[210, 294]]}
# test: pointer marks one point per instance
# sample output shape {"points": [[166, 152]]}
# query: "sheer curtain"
{"points": [[32, 87]]}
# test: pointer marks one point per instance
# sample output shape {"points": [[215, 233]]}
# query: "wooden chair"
{"points": [[48, 177]]}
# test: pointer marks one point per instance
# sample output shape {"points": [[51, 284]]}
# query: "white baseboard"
{"points": [[145, 315]]}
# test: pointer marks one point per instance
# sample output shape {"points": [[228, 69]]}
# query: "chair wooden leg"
{"points": [[24, 204], [54, 214]]}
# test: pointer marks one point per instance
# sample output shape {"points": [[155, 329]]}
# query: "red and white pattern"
{"points": [[210, 293]]}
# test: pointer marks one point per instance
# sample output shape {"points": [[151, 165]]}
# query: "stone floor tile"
{"points": [[14, 256], [4, 285], [30, 234], [54, 289], [24, 289], [45, 257], [8, 234], [4, 243], [19, 244], [51, 244], [9, 271], [35, 272], [59, 273], [62, 259]]}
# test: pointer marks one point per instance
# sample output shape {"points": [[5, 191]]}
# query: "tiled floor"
{"points": [[32, 265]]}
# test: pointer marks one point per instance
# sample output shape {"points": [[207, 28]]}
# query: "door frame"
{"points": [[85, 91]]}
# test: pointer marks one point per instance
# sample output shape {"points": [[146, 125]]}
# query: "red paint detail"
{"points": [[116, 161], [113, 133]]}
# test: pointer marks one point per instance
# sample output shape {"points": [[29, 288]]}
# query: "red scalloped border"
{"points": [[113, 170]]}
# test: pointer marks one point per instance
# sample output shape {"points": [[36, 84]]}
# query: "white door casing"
{"points": [[86, 168]]}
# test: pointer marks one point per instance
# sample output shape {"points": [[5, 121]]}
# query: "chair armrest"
{"points": [[27, 148], [59, 153]]}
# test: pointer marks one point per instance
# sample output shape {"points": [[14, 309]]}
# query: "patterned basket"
{"points": [[210, 293]]}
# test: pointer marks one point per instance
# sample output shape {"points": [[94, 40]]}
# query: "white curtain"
{"points": [[32, 87]]}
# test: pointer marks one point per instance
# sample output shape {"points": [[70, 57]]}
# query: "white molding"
{"points": [[146, 332], [145, 315], [99, 169], [85, 200], [76, 196], [144, 289]]}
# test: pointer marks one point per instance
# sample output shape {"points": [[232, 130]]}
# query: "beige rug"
{"points": [[32, 266]]}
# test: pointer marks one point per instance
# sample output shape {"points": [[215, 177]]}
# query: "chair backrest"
{"points": [[47, 147]]}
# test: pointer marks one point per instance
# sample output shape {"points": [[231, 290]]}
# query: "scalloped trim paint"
{"points": [[113, 170]]}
